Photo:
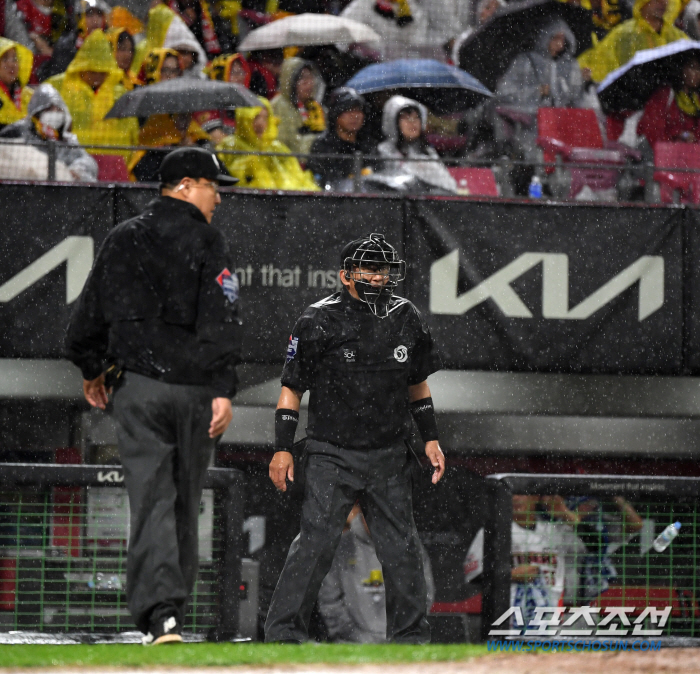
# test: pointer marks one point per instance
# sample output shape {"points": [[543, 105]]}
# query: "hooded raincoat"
{"points": [[294, 131], [13, 104], [159, 130], [431, 171], [129, 79], [521, 85], [87, 107], [220, 70], [262, 171], [621, 43], [81, 166]]}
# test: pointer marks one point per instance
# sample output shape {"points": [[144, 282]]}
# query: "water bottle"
{"points": [[535, 189], [663, 540]]}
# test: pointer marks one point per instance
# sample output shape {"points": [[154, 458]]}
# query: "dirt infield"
{"points": [[667, 661]]}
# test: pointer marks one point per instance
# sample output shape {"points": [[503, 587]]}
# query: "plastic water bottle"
{"points": [[535, 189], [663, 540]]}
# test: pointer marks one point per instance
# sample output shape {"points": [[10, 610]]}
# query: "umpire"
{"points": [[158, 321], [364, 355]]}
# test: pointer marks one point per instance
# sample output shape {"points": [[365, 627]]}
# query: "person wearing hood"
{"points": [[226, 68], [403, 123], [162, 65], [546, 77], [166, 29], [92, 15], [298, 105], [15, 69], [48, 120], [346, 117], [672, 114], [123, 48], [90, 86], [256, 131], [690, 22], [651, 25]]}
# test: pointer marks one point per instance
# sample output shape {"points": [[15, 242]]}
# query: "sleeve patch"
{"points": [[229, 284], [292, 348]]}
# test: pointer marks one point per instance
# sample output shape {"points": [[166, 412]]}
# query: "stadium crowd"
{"points": [[63, 65]]}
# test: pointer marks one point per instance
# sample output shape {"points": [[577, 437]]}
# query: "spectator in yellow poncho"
{"points": [[123, 47], [651, 26], [159, 20], [90, 86], [165, 130], [15, 68], [256, 131]]}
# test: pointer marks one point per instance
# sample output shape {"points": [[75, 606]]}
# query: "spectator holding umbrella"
{"points": [[403, 123], [672, 114], [651, 26], [547, 76], [298, 105], [346, 117], [15, 69], [226, 68], [256, 131], [164, 130]]}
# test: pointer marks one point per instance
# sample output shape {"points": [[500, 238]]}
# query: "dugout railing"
{"points": [[63, 546], [641, 577]]}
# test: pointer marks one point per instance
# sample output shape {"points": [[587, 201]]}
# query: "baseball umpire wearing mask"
{"points": [[364, 355], [160, 307]]}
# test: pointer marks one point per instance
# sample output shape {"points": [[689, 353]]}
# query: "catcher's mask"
{"points": [[363, 260]]}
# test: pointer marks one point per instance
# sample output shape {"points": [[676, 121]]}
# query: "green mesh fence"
{"points": [[63, 560], [553, 544]]}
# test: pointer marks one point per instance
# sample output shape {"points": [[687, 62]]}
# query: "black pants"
{"points": [[162, 430], [335, 479]]}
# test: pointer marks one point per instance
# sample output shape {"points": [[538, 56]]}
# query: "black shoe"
{"points": [[165, 631]]}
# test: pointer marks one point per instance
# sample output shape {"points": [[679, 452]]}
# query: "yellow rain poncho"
{"points": [[159, 20], [14, 107], [129, 79], [262, 172], [87, 107], [621, 43]]}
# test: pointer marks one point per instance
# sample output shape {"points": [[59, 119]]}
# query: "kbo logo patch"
{"points": [[229, 284], [292, 347]]}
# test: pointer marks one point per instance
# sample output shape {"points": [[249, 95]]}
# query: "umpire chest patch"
{"points": [[401, 354], [229, 284]]}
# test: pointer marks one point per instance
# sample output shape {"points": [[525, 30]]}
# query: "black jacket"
{"points": [[331, 170], [161, 301], [358, 368]]}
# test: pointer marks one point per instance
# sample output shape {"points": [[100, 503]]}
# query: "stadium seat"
{"points": [[682, 602], [678, 156], [111, 168], [475, 181], [574, 135]]}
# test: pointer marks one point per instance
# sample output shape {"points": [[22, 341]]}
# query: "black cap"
{"points": [[195, 163]]}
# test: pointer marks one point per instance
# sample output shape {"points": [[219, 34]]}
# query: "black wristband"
{"points": [[424, 415], [285, 427]]}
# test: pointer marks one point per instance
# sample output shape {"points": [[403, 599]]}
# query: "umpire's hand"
{"points": [[437, 458], [221, 415], [281, 468]]}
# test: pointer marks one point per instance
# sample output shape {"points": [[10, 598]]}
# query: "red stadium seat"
{"points": [[475, 181], [682, 602], [574, 135], [111, 168], [678, 156]]}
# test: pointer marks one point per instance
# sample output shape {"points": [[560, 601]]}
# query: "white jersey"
{"points": [[552, 547]]}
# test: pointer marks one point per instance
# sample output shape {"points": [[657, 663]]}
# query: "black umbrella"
{"points": [[182, 95], [630, 86], [487, 53]]}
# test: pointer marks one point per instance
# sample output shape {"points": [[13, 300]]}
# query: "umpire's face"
{"points": [[202, 193], [376, 275]]}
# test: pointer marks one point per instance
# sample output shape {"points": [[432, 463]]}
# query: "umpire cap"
{"points": [[195, 163]]}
